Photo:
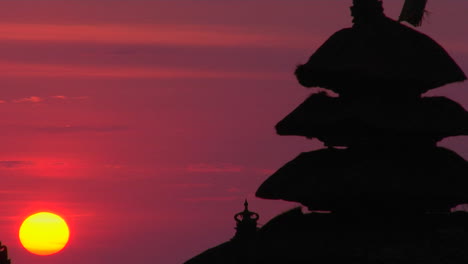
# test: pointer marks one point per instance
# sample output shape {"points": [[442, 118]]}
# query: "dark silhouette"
{"points": [[386, 194], [384, 179], [378, 56], [413, 12], [344, 122], [246, 223], [243, 246], [4, 254]]}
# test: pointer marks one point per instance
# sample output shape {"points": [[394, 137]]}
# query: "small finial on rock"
{"points": [[246, 222]]}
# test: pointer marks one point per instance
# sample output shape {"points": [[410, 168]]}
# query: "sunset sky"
{"points": [[145, 124]]}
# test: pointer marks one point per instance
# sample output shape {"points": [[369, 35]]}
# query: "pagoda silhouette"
{"points": [[381, 191]]}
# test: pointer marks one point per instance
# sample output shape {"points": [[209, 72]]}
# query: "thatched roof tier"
{"points": [[381, 57], [371, 180], [342, 122]]}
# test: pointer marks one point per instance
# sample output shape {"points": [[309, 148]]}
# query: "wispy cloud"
{"points": [[45, 167], [233, 190], [113, 166], [30, 99], [191, 35], [211, 199], [80, 128], [80, 97], [65, 97], [214, 168], [11, 164], [264, 171], [191, 185], [14, 69], [37, 99]]}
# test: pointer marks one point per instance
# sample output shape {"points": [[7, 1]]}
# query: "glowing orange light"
{"points": [[44, 233]]}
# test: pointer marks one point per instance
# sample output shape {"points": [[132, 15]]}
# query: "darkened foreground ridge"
{"points": [[386, 186], [4, 254]]}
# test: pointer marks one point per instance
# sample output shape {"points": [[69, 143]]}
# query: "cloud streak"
{"points": [[12, 164], [214, 168], [211, 199], [37, 99], [80, 129], [183, 35], [13, 69], [30, 99]]}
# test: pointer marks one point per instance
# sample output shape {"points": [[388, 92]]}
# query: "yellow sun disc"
{"points": [[44, 233]]}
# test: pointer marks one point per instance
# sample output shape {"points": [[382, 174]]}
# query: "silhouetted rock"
{"points": [[379, 56], [297, 238], [243, 246], [375, 180], [224, 253], [343, 122], [331, 238]]}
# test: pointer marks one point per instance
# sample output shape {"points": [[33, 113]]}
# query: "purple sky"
{"points": [[146, 123]]}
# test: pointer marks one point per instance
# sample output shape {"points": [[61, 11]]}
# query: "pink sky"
{"points": [[146, 123]]}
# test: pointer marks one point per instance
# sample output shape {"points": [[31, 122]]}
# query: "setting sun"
{"points": [[44, 233]]}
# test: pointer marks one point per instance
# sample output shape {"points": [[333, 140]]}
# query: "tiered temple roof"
{"points": [[379, 68], [388, 189]]}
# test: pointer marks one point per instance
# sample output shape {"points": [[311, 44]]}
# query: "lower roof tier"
{"points": [[421, 179], [342, 122]]}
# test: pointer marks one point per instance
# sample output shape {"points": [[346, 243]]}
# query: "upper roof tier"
{"points": [[378, 55]]}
